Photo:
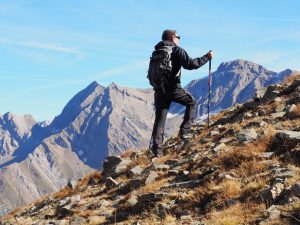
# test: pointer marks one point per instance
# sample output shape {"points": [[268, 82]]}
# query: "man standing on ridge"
{"points": [[169, 90]]}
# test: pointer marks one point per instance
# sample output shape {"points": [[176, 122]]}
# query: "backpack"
{"points": [[160, 67]]}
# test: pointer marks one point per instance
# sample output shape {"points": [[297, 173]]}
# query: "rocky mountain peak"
{"points": [[240, 64], [73, 108], [14, 130]]}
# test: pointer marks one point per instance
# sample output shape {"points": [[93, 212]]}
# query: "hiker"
{"points": [[168, 89]]}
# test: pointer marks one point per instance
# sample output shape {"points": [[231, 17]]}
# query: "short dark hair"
{"points": [[167, 35]]}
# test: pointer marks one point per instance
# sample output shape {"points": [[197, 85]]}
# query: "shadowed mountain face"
{"points": [[97, 122]]}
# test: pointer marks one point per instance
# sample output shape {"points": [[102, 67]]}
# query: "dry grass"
{"points": [[10, 215], [252, 167], [288, 80], [230, 188], [169, 220], [86, 180], [140, 161], [234, 215], [63, 193], [127, 153], [250, 192], [96, 220], [218, 116]]}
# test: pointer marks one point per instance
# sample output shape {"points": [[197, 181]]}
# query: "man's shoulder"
{"points": [[177, 50]]}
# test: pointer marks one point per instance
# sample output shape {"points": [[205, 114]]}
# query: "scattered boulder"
{"points": [[137, 170], [151, 177], [78, 220], [247, 135], [271, 92], [219, 147], [270, 194], [115, 165], [278, 115], [292, 111]]}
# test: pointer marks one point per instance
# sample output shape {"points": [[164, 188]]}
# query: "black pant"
{"points": [[162, 102]]}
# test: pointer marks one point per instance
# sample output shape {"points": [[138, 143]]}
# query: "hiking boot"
{"points": [[157, 152], [185, 135]]}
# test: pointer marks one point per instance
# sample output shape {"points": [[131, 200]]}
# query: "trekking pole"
{"points": [[209, 84]]}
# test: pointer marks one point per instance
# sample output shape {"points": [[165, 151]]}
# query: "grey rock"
{"points": [[226, 140], [161, 167], [248, 115], [104, 203], [278, 99], [269, 195], [220, 147], [273, 212], [151, 177], [133, 200], [62, 222], [78, 221], [137, 170], [289, 135], [214, 132], [122, 166], [278, 115], [64, 201], [247, 135], [185, 184], [271, 92], [226, 176], [107, 212], [267, 154], [131, 185], [150, 197]]}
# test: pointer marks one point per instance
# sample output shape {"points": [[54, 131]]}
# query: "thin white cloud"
{"points": [[42, 46], [50, 47]]}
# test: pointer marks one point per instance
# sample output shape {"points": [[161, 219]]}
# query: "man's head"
{"points": [[170, 35]]}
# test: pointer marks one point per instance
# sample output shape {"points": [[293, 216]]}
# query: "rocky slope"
{"points": [[98, 121], [243, 169]]}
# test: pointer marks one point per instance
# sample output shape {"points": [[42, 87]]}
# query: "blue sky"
{"points": [[52, 49]]}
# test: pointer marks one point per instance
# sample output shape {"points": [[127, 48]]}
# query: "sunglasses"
{"points": [[178, 37]]}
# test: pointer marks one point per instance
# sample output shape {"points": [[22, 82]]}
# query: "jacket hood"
{"points": [[164, 43]]}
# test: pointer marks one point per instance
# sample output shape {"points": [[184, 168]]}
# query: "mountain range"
{"points": [[39, 158], [242, 169]]}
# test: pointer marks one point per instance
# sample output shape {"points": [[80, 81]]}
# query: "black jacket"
{"points": [[180, 58]]}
